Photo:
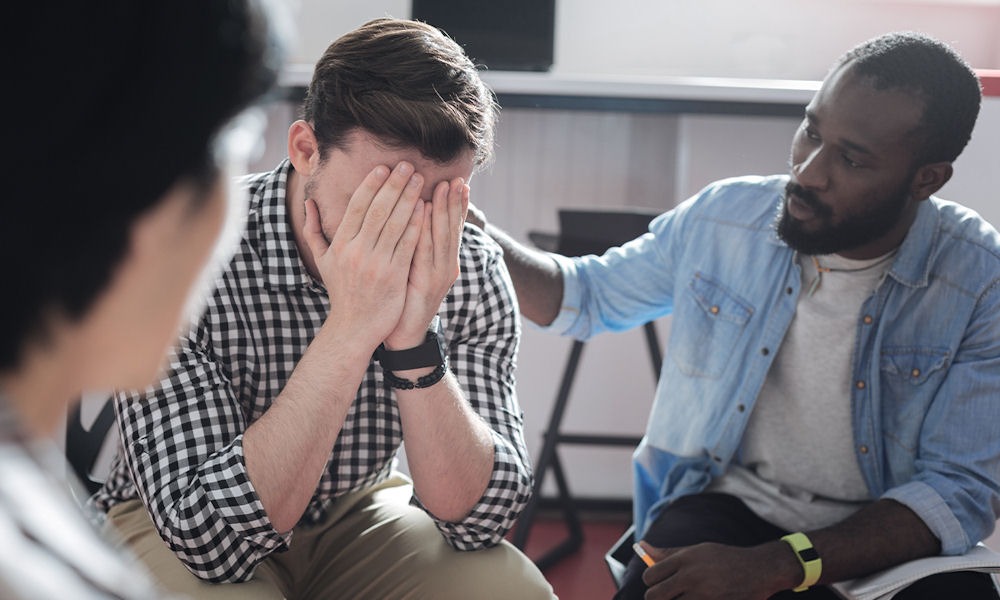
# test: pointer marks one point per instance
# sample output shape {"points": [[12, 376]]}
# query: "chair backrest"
{"points": [[592, 231], [84, 445]]}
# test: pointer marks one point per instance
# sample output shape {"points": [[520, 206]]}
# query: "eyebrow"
{"points": [[813, 119]]}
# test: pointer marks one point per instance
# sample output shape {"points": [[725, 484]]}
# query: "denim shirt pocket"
{"points": [[910, 377], [706, 327]]}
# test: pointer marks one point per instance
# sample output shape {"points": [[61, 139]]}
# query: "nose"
{"points": [[810, 170]]}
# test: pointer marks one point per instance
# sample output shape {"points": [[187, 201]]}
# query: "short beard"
{"points": [[854, 230]]}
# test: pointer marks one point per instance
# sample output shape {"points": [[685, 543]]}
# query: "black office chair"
{"points": [[581, 232], [84, 445]]}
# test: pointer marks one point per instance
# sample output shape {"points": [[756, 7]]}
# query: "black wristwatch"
{"points": [[431, 353]]}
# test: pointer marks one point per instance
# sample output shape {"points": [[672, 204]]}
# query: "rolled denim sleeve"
{"points": [[934, 511], [628, 285], [572, 295]]}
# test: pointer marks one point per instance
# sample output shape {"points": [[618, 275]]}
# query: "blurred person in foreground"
{"points": [[119, 114], [828, 403], [358, 315]]}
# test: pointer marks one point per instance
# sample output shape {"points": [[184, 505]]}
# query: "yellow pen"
{"points": [[646, 558]]}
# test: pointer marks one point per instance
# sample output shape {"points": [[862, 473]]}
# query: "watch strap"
{"points": [[426, 381], [812, 565], [431, 353], [427, 354]]}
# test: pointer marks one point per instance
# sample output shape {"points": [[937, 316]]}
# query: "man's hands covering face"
{"points": [[393, 257]]}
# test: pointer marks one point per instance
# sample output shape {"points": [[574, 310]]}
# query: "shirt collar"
{"points": [[913, 263], [274, 240]]}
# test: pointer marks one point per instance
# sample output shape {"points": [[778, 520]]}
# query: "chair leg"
{"points": [[653, 342], [551, 440], [571, 517], [84, 445], [549, 458]]}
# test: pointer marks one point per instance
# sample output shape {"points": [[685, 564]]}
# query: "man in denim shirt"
{"points": [[834, 358]]}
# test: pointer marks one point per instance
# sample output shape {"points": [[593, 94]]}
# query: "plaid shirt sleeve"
{"points": [[483, 329], [182, 443]]}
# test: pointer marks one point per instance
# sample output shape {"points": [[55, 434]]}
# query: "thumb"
{"points": [[657, 554]]}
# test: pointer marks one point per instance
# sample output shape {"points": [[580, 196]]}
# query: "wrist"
{"points": [[785, 568], [348, 346], [403, 339], [417, 366]]}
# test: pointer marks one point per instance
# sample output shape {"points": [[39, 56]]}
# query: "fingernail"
{"points": [[416, 180], [405, 168]]}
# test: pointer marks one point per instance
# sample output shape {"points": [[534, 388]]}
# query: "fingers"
{"points": [[383, 202], [440, 224], [357, 207], [412, 235], [389, 217], [451, 201], [424, 254], [382, 214], [458, 207]]}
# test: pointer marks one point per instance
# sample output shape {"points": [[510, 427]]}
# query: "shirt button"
{"points": [[714, 310], [860, 385], [915, 372], [717, 459], [765, 351], [863, 449], [868, 319], [789, 290], [741, 408]]}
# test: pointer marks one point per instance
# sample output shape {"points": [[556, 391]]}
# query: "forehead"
{"points": [[362, 152], [848, 107]]}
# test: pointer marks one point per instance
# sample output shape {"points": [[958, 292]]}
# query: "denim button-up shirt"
{"points": [[925, 398]]}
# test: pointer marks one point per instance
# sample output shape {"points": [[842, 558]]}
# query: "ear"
{"points": [[929, 179], [303, 149]]}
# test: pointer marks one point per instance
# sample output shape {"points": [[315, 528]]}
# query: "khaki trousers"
{"points": [[373, 545]]}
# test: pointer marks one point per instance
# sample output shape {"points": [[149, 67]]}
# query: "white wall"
{"points": [[322, 21], [787, 39]]}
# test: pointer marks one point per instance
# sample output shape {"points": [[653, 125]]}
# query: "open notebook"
{"points": [[885, 584]]}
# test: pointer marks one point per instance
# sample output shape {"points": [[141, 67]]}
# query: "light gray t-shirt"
{"points": [[796, 467]]}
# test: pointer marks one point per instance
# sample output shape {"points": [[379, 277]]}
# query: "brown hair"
{"points": [[406, 83]]}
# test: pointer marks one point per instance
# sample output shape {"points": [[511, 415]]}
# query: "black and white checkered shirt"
{"points": [[182, 451]]}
